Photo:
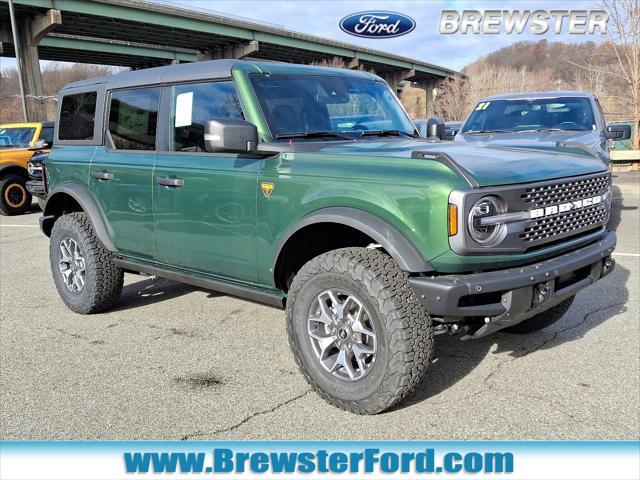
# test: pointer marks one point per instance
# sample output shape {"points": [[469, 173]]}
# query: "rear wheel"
{"points": [[14, 197], [359, 334], [83, 270], [542, 320]]}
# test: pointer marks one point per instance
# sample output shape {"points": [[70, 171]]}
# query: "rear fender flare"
{"points": [[88, 204]]}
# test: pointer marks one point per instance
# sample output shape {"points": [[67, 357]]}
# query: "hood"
{"points": [[590, 138], [488, 164]]}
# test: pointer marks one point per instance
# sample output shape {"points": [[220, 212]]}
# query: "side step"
{"points": [[254, 294]]}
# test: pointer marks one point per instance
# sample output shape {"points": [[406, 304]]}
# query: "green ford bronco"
{"points": [[309, 189]]}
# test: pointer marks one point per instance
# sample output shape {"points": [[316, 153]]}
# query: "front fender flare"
{"points": [[401, 249], [14, 166], [88, 204]]}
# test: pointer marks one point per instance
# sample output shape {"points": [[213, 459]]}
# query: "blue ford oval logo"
{"points": [[374, 24]]}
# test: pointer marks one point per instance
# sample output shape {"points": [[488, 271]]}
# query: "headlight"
{"points": [[486, 234]]}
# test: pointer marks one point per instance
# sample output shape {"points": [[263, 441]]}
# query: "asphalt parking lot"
{"points": [[176, 362]]}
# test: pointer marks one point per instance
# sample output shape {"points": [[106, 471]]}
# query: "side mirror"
{"points": [[230, 135], [432, 128], [619, 131], [39, 145]]}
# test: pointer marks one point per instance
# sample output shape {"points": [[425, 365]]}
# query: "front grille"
{"points": [[566, 191], [565, 224]]}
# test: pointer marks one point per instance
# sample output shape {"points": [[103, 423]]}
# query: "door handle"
{"points": [[102, 175], [170, 182]]}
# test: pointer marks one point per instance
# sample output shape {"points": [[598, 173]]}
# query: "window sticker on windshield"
{"points": [[480, 105], [184, 106], [486, 104]]}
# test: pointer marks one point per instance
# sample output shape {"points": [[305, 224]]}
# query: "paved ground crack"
{"points": [[549, 340], [247, 418], [571, 327]]}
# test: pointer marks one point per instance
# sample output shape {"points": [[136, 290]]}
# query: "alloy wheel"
{"points": [[72, 265], [15, 195], [342, 334]]}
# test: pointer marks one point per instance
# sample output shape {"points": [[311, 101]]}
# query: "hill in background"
{"points": [[538, 66]]}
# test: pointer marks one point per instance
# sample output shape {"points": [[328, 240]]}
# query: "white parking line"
{"points": [[626, 254], [17, 225]]}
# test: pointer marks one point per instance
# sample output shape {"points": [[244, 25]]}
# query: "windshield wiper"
{"points": [[318, 134], [386, 133], [531, 130], [488, 131]]}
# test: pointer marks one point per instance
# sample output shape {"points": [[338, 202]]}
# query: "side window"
{"points": [[194, 104], [133, 116], [46, 134], [77, 115]]}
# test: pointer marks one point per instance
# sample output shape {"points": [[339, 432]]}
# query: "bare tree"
{"points": [[624, 39], [455, 98], [54, 77], [451, 101], [624, 17]]}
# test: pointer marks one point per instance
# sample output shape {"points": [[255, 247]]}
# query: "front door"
{"points": [[205, 203], [122, 172]]}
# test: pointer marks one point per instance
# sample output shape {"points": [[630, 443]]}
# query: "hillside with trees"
{"points": [[610, 69], [535, 66]]}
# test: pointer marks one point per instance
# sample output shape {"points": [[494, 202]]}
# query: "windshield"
{"points": [[334, 106], [16, 137], [559, 113]]}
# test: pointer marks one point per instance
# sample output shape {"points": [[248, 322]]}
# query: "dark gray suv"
{"points": [[542, 120]]}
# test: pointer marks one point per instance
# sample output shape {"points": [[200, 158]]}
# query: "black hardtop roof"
{"points": [[211, 69]]}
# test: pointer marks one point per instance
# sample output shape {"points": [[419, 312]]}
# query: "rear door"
{"points": [[122, 171], [205, 203]]}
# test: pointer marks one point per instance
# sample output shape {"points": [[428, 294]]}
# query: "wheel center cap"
{"points": [[343, 334]]}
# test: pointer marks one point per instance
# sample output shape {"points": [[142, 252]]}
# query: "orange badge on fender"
{"points": [[267, 188]]}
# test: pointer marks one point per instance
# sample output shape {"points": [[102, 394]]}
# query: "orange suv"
{"points": [[15, 141]]}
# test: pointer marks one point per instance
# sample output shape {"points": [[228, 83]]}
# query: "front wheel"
{"points": [[358, 332], [14, 197], [83, 270]]}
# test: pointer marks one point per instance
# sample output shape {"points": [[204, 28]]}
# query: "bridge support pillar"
{"points": [[238, 51], [30, 32], [394, 78], [428, 86]]}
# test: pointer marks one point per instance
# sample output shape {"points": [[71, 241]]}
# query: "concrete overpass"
{"points": [[140, 34]]}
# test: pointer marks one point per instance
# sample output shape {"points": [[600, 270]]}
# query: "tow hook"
{"points": [[450, 329], [541, 293], [608, 265]]}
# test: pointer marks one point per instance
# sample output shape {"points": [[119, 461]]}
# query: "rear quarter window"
{"points": [[77, 116]]}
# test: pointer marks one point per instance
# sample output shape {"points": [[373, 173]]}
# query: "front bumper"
{"points": [[36, 188], [506, 297]]}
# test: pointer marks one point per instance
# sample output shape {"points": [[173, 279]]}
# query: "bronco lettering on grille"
{"points": [[565, 207]]}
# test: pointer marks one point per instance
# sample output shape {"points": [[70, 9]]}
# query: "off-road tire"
{"points": [[542, 320], [403, 327], [103, 279], [12, 186]]}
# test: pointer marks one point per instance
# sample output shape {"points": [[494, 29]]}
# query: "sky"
{"points": [[454, 51]]}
